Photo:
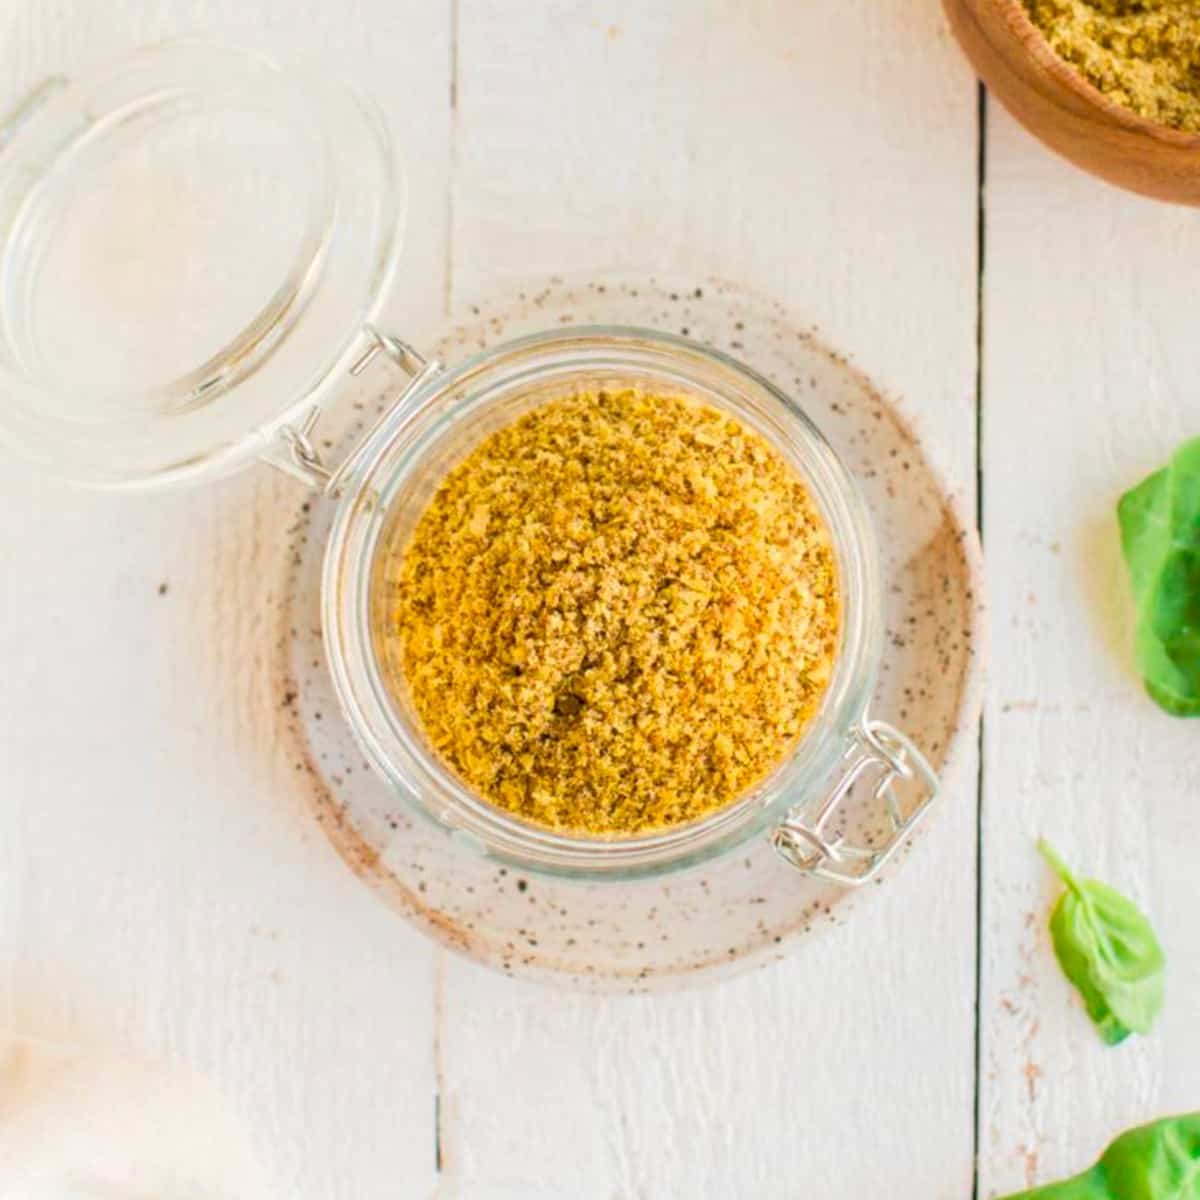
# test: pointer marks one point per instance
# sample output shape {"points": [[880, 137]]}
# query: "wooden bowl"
{"points": [[1056, 104]]}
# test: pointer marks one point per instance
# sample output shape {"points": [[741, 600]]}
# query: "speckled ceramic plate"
{"points": [[749, 907]]}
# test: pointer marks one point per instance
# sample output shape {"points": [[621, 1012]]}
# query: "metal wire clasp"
{"points": [[295, 452], [801, 837]]}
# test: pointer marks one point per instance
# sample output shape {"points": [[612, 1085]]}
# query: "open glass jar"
{"points": [[270, 310]]}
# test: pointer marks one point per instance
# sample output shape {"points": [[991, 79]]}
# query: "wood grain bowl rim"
{"points": [[1034, 43]]}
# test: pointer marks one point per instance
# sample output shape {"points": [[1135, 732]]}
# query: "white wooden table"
{"points": [[161, 886]]}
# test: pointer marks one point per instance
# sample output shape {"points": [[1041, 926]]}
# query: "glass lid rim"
{"points": [[219, 441]]}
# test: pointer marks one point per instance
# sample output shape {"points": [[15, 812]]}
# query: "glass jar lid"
{"points": [[191, 243]]}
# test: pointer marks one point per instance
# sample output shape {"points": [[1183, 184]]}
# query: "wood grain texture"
{"points": [[1055, 103], [1090, 366], [737, 136], [162, 887]]}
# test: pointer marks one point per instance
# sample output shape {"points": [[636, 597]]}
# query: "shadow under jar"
{"points": [[117, 373]]}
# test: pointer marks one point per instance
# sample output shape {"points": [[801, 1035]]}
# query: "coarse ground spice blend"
{"points": [[1143, 54], [617, 614]]}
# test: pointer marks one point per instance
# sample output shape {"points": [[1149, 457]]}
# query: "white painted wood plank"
{"points": [[824, 153], [162, 887], [1091, 362]]}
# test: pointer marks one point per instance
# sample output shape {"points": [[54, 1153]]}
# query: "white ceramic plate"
{"points": [[748, 908]]}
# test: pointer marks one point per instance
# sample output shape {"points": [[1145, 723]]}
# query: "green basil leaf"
{"points": [[1160, 538], [1159, 1161], [1108, 950]]}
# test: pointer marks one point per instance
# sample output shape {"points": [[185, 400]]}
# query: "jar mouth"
{"points": [[453, 412]]}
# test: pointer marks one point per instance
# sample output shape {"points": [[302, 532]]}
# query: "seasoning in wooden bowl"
{"points": [[617, 614], [1142, 54]]}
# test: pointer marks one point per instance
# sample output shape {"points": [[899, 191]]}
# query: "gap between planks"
{"points": [[980, 262]]}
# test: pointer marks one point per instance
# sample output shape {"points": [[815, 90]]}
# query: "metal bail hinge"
{"points": [[295, 453], [801, 838], [399, 351], [303, 459]]}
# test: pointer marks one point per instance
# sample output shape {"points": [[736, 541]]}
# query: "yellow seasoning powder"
{"points": [[617, 614], [1142, 54]]}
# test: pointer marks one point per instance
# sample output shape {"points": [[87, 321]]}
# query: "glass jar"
{"points": [[433, 425], [172, 386]]}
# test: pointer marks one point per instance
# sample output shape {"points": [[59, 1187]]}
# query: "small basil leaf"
{"points": [[1160, 539], [1108, 950], [1159, 1161]]}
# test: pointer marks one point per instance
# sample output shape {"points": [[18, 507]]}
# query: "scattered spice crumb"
{"points": [[617, 614]]}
